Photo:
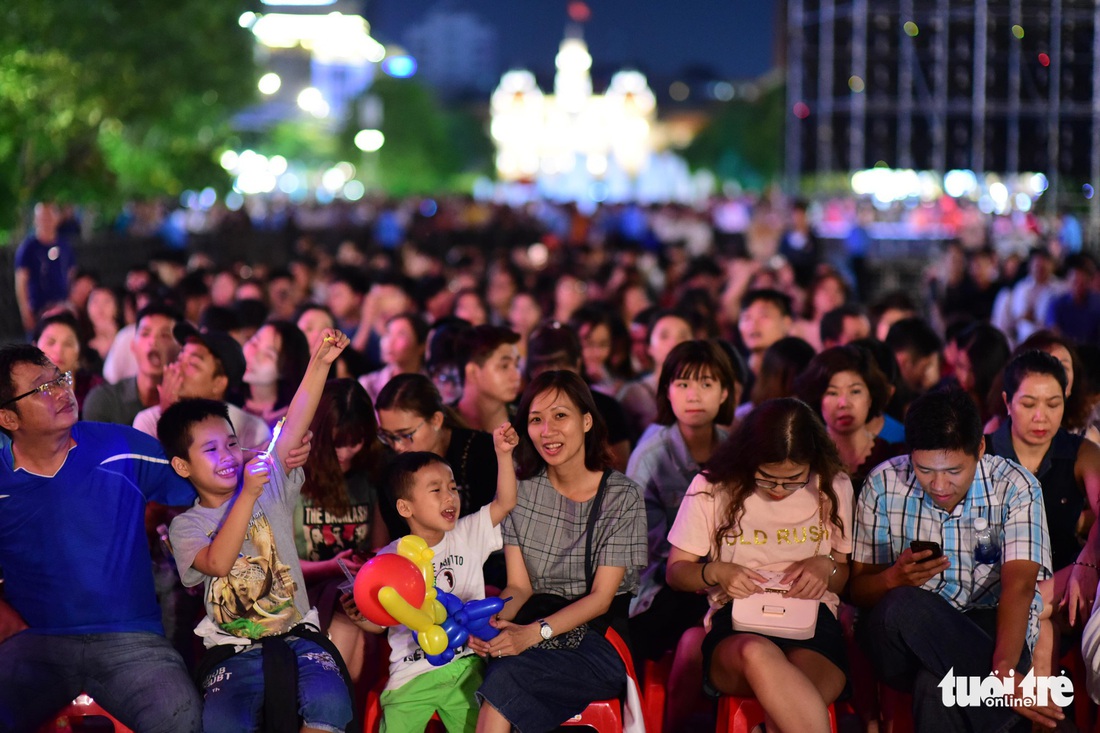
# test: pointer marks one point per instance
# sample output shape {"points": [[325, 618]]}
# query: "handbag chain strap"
{"points": [[821, 521]]}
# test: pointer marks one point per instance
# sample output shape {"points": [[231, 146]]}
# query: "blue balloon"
{"points": [[463, 621], [438, 660], [451, 602]]}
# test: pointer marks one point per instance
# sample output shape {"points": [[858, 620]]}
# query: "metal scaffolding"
{"points": [[998, 86]]}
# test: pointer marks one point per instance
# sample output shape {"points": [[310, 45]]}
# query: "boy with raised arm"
{"points": [[423, 487], [266, 659]]}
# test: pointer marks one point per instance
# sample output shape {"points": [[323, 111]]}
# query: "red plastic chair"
{"points": [[742, 714], [606, 716], [372, 714], [655, 691], [1084, 710], [72, 717]]}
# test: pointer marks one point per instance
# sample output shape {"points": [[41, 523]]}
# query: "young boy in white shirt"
{"points": [[423, 487]]}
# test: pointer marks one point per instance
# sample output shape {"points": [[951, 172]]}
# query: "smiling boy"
{"points": [[423, 487], [238, 542]]}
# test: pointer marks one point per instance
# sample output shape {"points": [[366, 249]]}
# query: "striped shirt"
{"points": [[893, 510]]}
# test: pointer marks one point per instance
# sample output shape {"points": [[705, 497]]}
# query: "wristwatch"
{"points": [[544, 629]]}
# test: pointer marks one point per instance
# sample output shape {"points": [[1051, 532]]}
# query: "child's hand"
{"points": [[505, 438], [330, 346], [347, 601], [352, 610], [256, 473]]}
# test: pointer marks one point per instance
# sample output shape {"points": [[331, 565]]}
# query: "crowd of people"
{"points": [[618, 421]]}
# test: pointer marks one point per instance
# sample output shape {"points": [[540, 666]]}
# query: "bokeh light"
{"points": [[369, 141], [269, 83]]}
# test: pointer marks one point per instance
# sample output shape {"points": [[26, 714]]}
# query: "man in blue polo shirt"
{"points": [[79, 612], [44, 266], [965, 613]]}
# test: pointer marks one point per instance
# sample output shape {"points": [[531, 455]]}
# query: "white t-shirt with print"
{"points": [[774, 534], [458, 560]]}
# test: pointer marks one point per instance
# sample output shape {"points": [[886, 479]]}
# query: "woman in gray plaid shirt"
{"points": [[544, 671]]}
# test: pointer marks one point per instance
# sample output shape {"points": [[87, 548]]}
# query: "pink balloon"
{"points": [[393, 571]]}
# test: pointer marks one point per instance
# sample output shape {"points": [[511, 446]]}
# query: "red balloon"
{"points": [[381, 571]]}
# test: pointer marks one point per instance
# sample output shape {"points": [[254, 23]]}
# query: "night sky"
{"points": [[734, 38]]}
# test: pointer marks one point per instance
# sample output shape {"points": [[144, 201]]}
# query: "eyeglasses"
{"points": [[395, 439], [65, 381], [763, 483]]}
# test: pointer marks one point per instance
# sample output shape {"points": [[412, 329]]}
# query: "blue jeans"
{"points": [[234, 691], [913, 637], [136, 677]]}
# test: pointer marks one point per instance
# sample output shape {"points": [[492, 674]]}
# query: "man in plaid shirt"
{"points": [[929, 616]]}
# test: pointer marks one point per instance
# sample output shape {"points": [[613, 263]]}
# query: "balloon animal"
{"points": [[399, 588]]}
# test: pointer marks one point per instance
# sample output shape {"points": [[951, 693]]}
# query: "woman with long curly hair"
{"points": [[774, 497], [338, 515]]}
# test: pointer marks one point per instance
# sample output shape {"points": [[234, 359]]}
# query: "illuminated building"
{"points": [[570, 140], [318, 56]]}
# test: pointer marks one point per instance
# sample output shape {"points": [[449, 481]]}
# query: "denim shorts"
{"points": [[540, 689], [234, 690]]}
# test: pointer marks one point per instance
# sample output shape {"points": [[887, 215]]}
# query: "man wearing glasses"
{"points": [[79, 612], [935, 604]]}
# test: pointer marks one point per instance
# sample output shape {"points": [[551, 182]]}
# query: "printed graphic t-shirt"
{"points": [[773, 534], [264, 593], [322, 535], [458, 560]]}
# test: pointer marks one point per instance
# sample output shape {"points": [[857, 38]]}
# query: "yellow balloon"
{"points": [[416, 550], [403, 611], [433, 640], [438, 611]]}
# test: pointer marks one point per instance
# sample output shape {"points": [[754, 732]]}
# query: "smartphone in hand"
{"points": [[922, 545]]}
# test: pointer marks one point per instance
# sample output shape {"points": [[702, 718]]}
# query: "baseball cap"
{"points": [[223, 346]]}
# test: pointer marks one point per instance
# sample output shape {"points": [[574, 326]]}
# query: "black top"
{"points": [[473, 459], [613, 417], [1063, 499], [881, 451]]}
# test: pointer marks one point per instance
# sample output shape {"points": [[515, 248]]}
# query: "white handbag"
{"points": [[773, 614]]}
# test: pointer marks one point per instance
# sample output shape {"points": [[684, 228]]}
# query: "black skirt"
{"points": [[828, 641]]}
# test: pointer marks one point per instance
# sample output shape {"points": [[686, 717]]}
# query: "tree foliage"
{"points": [[427, 148], [111, 99], [744, 142]]}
